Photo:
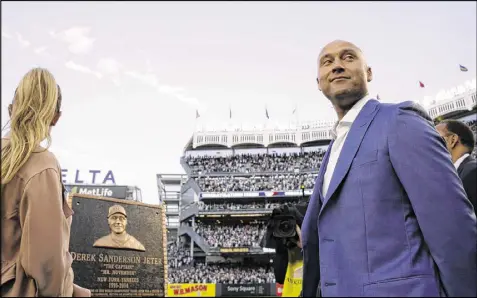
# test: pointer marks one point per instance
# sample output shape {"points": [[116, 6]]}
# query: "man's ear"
{"points": [[56, 118], [454, 141], [318, 82], [10, 109], [369, 74]]}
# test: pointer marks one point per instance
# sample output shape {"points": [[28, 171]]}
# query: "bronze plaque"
{"points": [[118, 246]]}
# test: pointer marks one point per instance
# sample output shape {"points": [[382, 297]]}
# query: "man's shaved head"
{"points": [[343, 74], [341, 42]]}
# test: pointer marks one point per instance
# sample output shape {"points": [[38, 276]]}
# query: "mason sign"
{"points": [[113, 191]]}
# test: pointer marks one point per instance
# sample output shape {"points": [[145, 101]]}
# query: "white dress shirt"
{"points": [[460, 160], [339, 133]]}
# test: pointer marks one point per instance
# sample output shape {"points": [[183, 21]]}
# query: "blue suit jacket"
{"points": [[396, 220]]}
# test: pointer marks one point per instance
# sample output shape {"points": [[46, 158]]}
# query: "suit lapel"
{"points": [[316, 199], [321, 173], [351, 146]]}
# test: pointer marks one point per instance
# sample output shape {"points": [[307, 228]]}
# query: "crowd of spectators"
{"points": [[223, 273], [473, 127], [178, 256], [257, 163], [235, 206], [243, 235], [278, 182]]}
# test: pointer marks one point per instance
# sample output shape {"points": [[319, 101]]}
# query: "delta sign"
{"points": [[88, 177]]}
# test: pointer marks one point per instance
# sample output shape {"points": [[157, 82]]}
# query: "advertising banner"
{"points": [[294, 275], [87, 176], [224, 195], [108, 191], [221, 195], [234, 249], [298, 193], [191, 290], [245, 290]]}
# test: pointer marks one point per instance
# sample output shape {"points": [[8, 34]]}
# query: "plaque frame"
{"points": [[128, 202]]}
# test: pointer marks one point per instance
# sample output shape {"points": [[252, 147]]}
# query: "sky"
{"points": [[133, 74]]}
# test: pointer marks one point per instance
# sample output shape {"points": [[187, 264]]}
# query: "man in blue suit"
{"points": [[388, 215]]}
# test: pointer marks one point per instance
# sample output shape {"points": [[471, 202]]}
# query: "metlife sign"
{"points": [[113, 191]]}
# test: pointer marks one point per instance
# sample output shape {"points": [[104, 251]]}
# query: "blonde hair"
{"points": [[37, 100]]}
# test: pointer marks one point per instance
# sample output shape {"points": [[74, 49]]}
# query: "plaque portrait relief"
{"points": [[118, 238]]}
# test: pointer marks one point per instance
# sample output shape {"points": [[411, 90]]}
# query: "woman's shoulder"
{"points": [[40, 160], [45, 158]]}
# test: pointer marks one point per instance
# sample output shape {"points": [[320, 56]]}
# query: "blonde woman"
{"points": [[35, 216]]}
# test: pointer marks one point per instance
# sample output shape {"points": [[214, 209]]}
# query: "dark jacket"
{"points": [[468, 174]]}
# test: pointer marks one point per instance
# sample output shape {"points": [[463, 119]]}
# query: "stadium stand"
{"points": [[473, 126], [245, 235], [278, 182], [227, 273], [178, 256], [257, 163], [232, 206]]}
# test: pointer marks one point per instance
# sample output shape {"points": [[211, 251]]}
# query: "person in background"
{"points": [[460, 142], [288, 260], [36, 218], [388, 215]]}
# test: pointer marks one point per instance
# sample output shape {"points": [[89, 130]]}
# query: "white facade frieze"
{"points": [[313, 131]]}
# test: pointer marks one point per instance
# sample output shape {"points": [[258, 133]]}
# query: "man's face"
{"points": [[448, 137], [343, 74], [117, 223]]}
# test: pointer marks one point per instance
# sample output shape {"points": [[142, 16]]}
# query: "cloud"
{"points": [[148, 79], [23, 42], [109, 66], [6, 35], [40, 50], [81, 68], [170, 90], [180, 94], [77, 39], [149, 65], [116, 81], [189, 100], [151, 80]]}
